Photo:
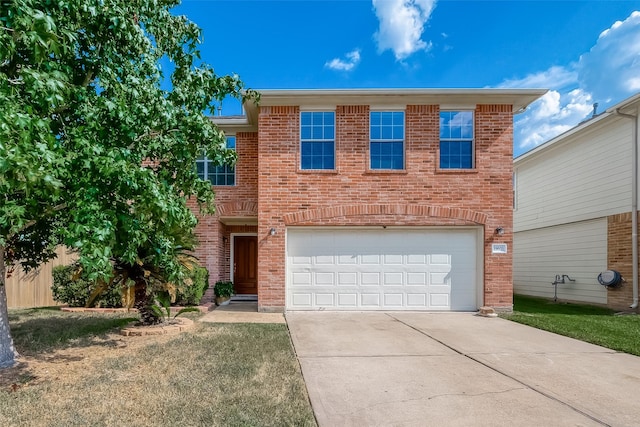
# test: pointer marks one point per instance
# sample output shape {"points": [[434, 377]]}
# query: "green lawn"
{"points": [[593, 324], [79, 373]]}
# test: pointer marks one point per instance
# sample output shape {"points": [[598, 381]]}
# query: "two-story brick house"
{"points": [[367, 199]]}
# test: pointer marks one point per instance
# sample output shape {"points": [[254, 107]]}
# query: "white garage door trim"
{"points": [[392, 268]]}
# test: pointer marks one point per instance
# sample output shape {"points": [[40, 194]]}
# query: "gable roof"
{"points": [[633, 102]]}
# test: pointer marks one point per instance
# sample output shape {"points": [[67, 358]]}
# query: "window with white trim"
{"points": [[317, 140], [456, 140], [217, 175], [386, 146]]}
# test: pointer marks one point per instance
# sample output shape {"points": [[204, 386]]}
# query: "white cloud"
{"points": [[401, 26], [611, 68], [554, 78], [551, 115], [608, 73], [351, 60]]}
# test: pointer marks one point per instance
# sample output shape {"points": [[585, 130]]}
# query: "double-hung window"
{"points": [[386, 133], [317, 140], [217, 175], [456, 140]]}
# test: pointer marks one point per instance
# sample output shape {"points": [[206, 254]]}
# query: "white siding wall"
{"points": [[578, 250], [588, 175]]}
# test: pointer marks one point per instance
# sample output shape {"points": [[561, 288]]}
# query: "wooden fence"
{"points": [[34, 289]]}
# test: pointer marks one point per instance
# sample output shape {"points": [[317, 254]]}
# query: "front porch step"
{"points": [[245, 297]]}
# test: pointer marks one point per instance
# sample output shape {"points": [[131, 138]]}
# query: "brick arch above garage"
{"points": [[385, 214]]}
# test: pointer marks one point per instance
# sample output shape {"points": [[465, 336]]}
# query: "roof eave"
{"points": [[518, 98], [235, 124]]}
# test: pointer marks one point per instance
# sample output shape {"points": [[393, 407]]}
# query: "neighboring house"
{"points": [[367, 200], [573, 210]]}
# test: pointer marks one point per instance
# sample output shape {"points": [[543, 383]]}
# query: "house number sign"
{"points": [[499, 248]]}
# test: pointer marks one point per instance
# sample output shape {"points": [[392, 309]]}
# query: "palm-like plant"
{"points": [[157, 268]]}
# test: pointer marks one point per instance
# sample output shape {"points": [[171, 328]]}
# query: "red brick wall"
{"points": [[485, 192], [233, 201], [619, 258]]}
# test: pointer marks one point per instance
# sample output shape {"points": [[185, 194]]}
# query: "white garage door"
{"points": [[382, 269]]}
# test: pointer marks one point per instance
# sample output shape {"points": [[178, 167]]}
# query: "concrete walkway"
{"points": [[241, 312], [458, 369]]}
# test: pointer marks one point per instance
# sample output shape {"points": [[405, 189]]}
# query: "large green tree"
{"points": [[94, 153]]}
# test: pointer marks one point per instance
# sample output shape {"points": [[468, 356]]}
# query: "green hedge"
{"points": [[192, 294], [75, 293]]}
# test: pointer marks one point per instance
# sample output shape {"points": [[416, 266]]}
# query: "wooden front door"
{"points": [[245, 264]]}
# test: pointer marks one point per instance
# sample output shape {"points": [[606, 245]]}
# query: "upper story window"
{"points": [[386, 130], [456, 139], [317, 140], [217, 175]]}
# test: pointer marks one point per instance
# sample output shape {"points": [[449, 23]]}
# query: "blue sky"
{"points": [[583, 51]]}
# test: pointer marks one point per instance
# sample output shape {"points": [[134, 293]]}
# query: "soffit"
{"points": [[239, 220], [519, 99]]}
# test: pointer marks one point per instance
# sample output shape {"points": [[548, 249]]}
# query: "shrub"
{"points": [[223, 288], [192, 294], [76, 292]]}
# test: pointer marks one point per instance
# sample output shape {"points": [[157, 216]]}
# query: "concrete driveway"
{"points": [[458, 369]]}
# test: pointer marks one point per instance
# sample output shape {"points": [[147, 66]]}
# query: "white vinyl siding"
{"points": [[586, 176], [374, 269], [578, 250]]}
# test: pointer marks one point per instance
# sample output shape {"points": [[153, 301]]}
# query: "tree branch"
{"points": [[35, 221], [88, 78], [154, 134]]}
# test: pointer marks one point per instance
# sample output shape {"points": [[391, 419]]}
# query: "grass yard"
{"points": [[76, 370], [588, 323]]}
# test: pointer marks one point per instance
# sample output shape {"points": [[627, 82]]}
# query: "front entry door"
{"points": [[245, 263]]}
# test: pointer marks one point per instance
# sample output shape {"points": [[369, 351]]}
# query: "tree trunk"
{"points": [[8, 352], [143, 303]]}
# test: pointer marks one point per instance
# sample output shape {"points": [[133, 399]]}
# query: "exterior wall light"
{"points": [[500, 231], [272, 231]]}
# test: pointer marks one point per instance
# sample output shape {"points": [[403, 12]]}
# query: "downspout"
{"points": [[634, 204]]}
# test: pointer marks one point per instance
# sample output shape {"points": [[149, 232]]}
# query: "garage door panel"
{"points": [[347, 279], [393, 300], [439, 278], [301, 260], [394, 259], [416, 279], [347, 259], [370, 279], [393, 279], [324, 259], [368, 259], [325, 279], [439, 301], [377, 270], [301, 299], [325, 299], [369, 299], [301, 278], [347, 300], [418, 259], [416, 300]]}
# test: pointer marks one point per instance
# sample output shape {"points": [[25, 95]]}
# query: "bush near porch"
{"points": [[75, 291]]}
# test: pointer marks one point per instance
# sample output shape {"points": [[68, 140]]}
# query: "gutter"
{"points": [[634, 203]]}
